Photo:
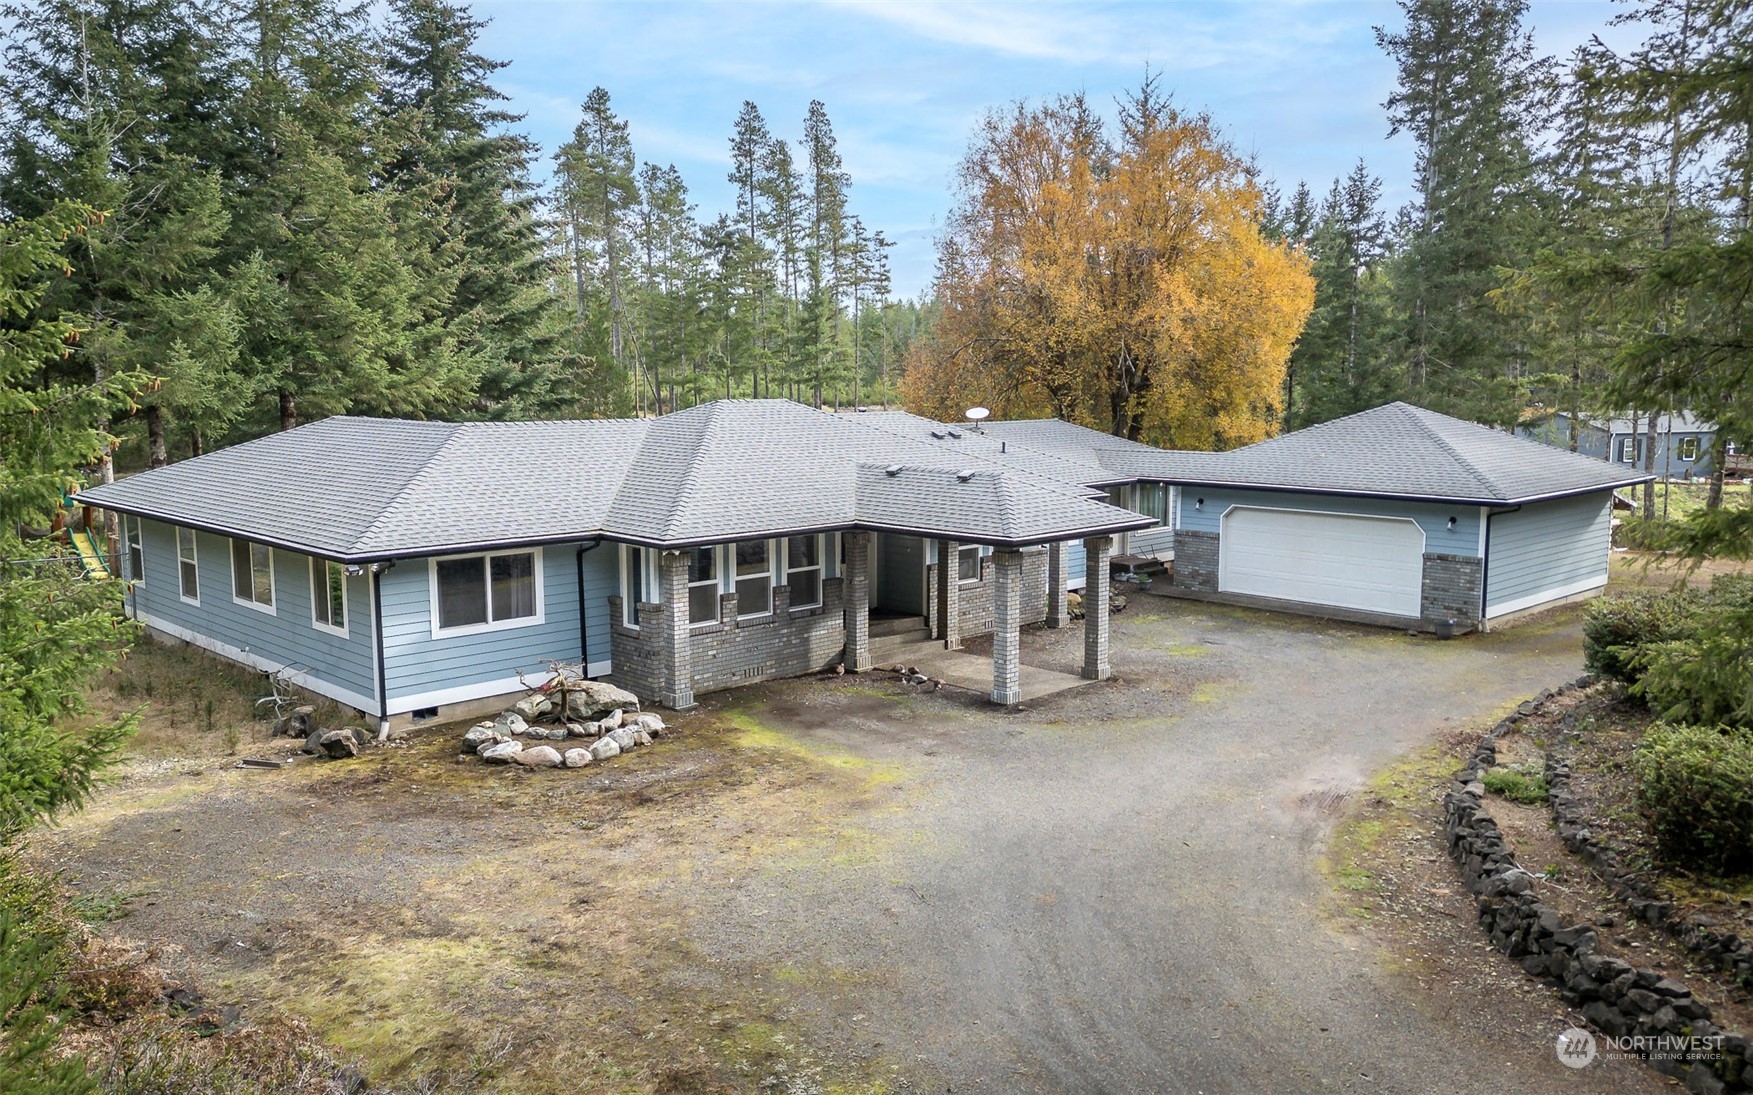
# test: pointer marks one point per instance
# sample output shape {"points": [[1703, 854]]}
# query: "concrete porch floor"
{"points": [[973, 672]]}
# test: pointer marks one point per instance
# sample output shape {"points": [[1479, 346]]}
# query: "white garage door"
{"points": [[1345, 560]]}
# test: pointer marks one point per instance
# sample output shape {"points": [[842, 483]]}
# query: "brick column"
{"points": [[949, 612], [1095, 607], [676, 658], [1007, 588], [856, 590], [1058, 614]]}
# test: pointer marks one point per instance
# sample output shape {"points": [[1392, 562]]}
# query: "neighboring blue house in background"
{"points": [[1683, 442]]}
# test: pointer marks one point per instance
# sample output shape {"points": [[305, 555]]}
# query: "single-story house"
{"points": [[424, 570], [1683, 444]]}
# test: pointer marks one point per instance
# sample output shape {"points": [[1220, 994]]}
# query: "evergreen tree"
{"points": [[1469, 88], [1338, 364], [596, 194]]}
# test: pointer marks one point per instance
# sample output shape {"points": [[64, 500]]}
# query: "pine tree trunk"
{"points": [[1649, 467], [156, 456], [288, 410], [1714, 499], [196, 448]]}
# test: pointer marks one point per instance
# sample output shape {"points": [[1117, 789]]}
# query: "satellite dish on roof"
{"points": [[975, 414]]}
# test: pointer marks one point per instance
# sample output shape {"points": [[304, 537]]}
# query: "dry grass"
{"points": [[457, 927]]}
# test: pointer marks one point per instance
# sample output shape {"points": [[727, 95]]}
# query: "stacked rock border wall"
{"points": [[1621, 1000], [1724, 950]]}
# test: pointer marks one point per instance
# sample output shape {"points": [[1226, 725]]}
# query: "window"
{"points": [[1688, 448], [328, 595], [136, 553], [252, 574], [703, 585], [634, 588], [1153, 501], [754, 577], [803, 570], [1628, 450], [968, 563], [480, 592], [188, 574]]}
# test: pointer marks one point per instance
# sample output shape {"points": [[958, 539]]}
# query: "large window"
{"points": [[703, 585], [188, 573], [803, 570], [252, 574], [328, 595], [478, 592], [1628, 450], [1153, 501], [136, 553], [1688, 448], [754, 577]]}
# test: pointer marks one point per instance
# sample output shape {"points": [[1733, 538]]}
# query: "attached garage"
{"points": [[1344, 560]]}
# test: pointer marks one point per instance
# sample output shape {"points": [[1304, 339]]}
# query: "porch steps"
{"points": [[896, 633]]}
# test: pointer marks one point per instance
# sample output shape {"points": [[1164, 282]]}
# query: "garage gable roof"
{"points": [[1402, 451]]}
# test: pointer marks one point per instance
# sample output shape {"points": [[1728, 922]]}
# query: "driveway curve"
{"points": [[1119, 889]]}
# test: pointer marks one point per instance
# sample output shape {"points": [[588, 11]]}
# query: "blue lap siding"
{"points": [[1546, 551], [421, 670], [324, 662], [1432, 517]]}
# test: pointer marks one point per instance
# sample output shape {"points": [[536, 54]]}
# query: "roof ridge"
{"points": [[1418, 413], [391, 510], [690, 484]]}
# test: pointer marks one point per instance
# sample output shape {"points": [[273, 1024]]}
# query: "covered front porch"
{"points": [[999, 576]]}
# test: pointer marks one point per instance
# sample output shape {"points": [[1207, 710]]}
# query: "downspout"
{"points": [[583, 607], [383, 692]]}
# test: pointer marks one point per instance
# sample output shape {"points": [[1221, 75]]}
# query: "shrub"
{"points": [[1615, 628], [1638, 534], [1704, 673], [1695, 784], [1516, 784]]}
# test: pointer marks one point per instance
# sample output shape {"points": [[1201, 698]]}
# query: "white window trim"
{"points": [[273, 608], [133, 536], [718, 580], [193, 560], [821, 569], [1628, 450], [490, 625], [647, 563], [321, 589], [730, 554], [983, 551], [1685, 443]]}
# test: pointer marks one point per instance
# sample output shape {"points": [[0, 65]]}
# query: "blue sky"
{"points": [[1300, 85]]}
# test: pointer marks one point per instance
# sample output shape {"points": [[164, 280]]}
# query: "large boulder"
{"points": [[576, 758], [587, 700], [650, 722], [533, 706], [537, 756], [554, 733], [640, 737], [622, 737], [510, 722], [482, 732], [604, 749], [502, 752], [339, 744], [582, 730], [612, 720]]}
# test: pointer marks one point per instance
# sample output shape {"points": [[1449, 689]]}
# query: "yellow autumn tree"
{"points": [[1120, 282]]}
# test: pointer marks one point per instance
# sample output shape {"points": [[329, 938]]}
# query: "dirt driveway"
{"points": [[841, 886]]}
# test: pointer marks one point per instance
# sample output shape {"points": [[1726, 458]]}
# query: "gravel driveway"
{"points": [[1118, 890]]}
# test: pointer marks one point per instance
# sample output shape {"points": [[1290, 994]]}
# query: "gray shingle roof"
{"points": [[356, 488], [359, 488], [1402, 451]]}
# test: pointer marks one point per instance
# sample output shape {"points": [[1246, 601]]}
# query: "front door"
{"points": [[899, 563]]}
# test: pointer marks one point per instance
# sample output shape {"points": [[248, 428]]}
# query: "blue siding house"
{"points": [[425, 570], [1683, 443]]}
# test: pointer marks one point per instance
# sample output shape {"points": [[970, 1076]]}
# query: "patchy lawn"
{"points": [[462, 927]]}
